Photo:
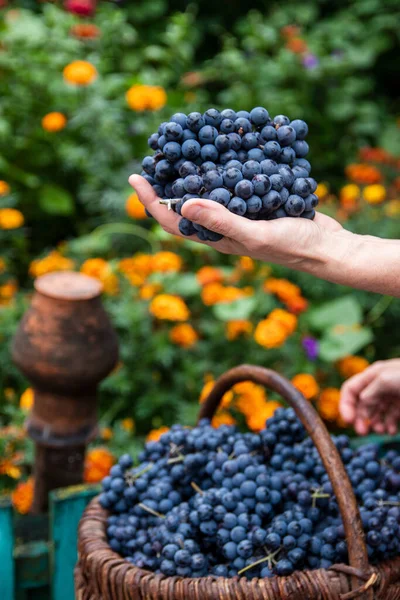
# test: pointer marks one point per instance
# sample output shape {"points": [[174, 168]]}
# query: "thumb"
{"points": [[219, 219]]}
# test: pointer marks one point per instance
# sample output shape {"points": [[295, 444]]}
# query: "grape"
{"points": [[311, 202], [188, 168], [301, 187], [193, 184], [237, 206], [212, 180], [172, 151], [222, 143], [262, 184], [179, 118], [220, 195], [286, 135], [236, 141], [269, 167], [268, 134], [227, 126], [191, 149], [249, 141], [276, 182], [256, 154], [227, 157], [231, 177], [244, 189], [301, 128], [153, 141], [301, 148], [281, 120], [195, 121], [149, 165], [228, 113], [294, 206], [254, 204], [188, 135], [243, 125], [271, 201], [213, 117], [288, 155], [209, 152], [173, 132], [272, 150], [251, 168], [207, 134]]}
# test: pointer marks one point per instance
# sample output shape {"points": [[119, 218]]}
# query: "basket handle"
{"points": [[330, 456]]}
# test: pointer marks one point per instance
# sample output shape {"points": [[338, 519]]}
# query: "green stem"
{"points": [[379, 308], [127, 229]]}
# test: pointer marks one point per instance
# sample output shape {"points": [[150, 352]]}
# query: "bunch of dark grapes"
{"points": [[216, 501], [253, 165]]}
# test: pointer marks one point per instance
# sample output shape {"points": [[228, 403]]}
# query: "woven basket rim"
{"points": [[95, 519]]}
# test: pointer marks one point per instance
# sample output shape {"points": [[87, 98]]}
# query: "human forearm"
{"points": [[364, 262]]}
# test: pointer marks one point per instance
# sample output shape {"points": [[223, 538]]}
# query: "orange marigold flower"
{"points": [[351, 365], [22, 496], [285, 318], [306, 384], [222, 418], [212, 293], [50, 263], [98, 463], [231, 293], [256, 421], [227, 398], [169, 308], [245, 263], [27, 399], [4, 188], [282, 288], [328, 404], [149, 290], [183, 335], [128, 424], [238, 327], [374, 194], [363, 174], [396, 183], [100, 269], [2, 265], [137, 268], [11, 218], [207, 275], [134, 208], [322, 191], [166, 261], [86, 31], [378, 155], [80, 72], [8, 466], [106, 433], [7, 292], [146, 97], [155, 434], [297, 305], [54, 121], [270, 333], [296, 45], [290, 31]]}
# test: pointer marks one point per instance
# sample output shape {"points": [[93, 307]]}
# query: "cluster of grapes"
{"points": [[216, 501], [253, 165]]}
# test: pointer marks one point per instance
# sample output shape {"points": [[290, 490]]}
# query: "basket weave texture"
{"points": [[101, 574]]}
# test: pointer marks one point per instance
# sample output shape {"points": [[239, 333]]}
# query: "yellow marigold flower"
{"points": [[270, 333], [285, 318], [9, 468], [27, 399], [282, 288], [211, 293], [54, 121], [22, 496], [137, 268], [374, 194], [80, 72], [351, 365], [50, 263], [306, 384], [231, 293], [363, 174], [238, 327], [134, 208], [227, 398], [7, 291], [166, 261], [169, 308], [155, 434], [146, 97], [207, 275], [106, 434], [4, 188], [222, 418], [256, 421], [351, 191], [149, 290], [183, 335], [245, 263], [98, 463], [392, 208], [322, 190], [128, 424], [328, 404], [100, 269], [11, 218]]}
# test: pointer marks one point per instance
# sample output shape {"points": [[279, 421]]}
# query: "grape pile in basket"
{"points": [[253, 165], [208, 501]]}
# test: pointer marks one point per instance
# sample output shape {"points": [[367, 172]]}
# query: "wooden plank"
{"points": [[66, 508], [32, 570], [7, 575]]}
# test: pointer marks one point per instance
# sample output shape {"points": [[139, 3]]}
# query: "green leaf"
{"points": [[343, 311], [54, 200], [182, 284], [337, 343], [239, 309]]}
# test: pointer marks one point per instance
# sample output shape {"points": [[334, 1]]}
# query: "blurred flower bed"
{"points": [[75, 124]]}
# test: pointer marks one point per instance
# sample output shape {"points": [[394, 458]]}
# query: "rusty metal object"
{"points": [[103, 574], [65, 345]]}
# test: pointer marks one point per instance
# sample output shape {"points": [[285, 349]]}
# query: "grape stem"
{"points": [[151, 511], [270, 558], [169, 202]]}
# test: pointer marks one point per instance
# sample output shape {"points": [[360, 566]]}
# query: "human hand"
{"points": [[298, 243], [371, 399]]}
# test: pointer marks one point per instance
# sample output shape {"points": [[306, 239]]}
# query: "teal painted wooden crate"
{"points": [[38, 553]]}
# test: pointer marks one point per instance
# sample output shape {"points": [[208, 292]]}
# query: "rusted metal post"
{"points": [[65, 345]]}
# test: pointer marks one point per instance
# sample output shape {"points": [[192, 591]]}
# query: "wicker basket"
{"points": [[103, 574]]}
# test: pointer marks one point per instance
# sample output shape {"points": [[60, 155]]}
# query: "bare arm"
{"points": [[320, 247]]}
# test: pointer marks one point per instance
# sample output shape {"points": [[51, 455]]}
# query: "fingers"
{"points": [[217, 218], [351, 390], [168, 219]]}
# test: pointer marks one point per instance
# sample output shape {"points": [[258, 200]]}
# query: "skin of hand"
{"points": [[371, 400], [321, 247]]}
